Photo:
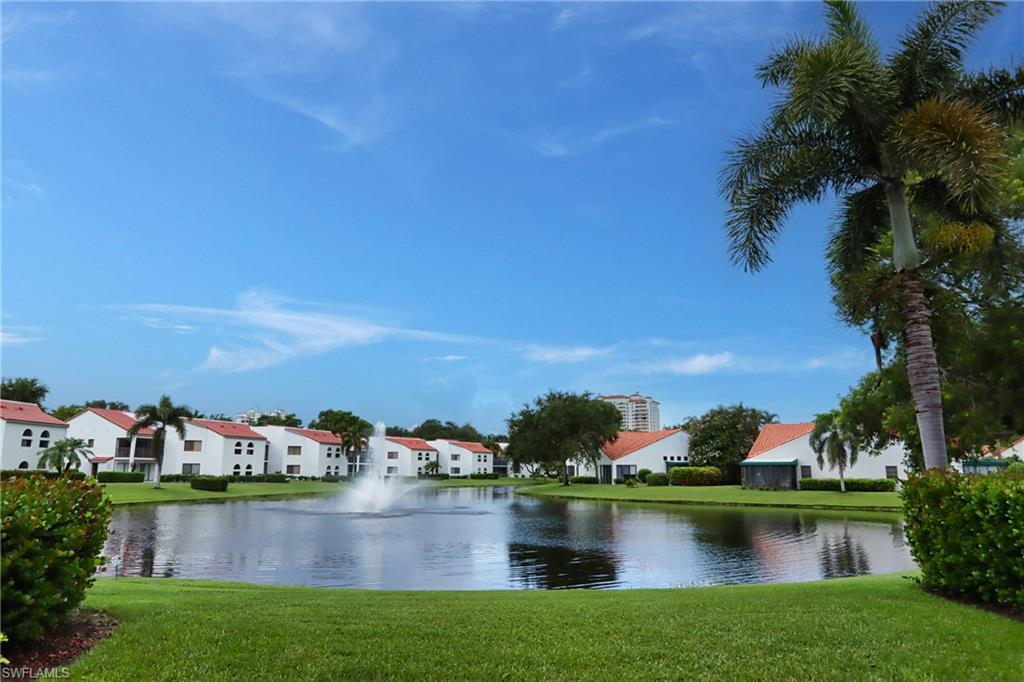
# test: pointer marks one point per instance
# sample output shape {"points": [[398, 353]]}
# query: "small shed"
{"points": [[767, 473], [984, 466]]}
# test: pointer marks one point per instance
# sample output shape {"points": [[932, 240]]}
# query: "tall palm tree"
{"points": [[160, 417], [64, 454], [867, 129], [833, 445]]}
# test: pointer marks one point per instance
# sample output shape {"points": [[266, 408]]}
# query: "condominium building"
{"points": [[639, 412]]}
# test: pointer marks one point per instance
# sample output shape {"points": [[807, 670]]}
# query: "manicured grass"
{"points": [[881, 627], [473, 483], [724, 495], [137, 493]]}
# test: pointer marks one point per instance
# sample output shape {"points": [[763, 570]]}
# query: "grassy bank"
{"points": [[138, 493], [859, 628], [731, 495], [473, 483]]}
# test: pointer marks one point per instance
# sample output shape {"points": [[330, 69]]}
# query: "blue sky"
{"points": [[406, 210]]}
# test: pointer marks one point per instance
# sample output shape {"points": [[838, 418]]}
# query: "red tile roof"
{"points": [[101, 458], [774, 435], [412, 443], [228, 429], [318, 435], [472, 447], [117, 418], [27, 413], [630, 441]]}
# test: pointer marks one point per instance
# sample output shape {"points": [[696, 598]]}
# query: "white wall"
{"points": [[401, 460], [867, 466], [456, 460], [217, 454], [659, 456], [314, 458], [103, 433], [13, 454]]}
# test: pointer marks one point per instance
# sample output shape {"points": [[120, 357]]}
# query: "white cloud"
{"points": [[700, 363], [566, 354], [17, 187], [562, 144], [445, 358], [17, 336], [564, 18], [369, 121]]}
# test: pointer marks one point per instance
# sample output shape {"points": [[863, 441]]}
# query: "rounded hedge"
{"points": [[584, 480], [853, 485], [120, 477], [53, 533], [657, 478], [695, 476], [642, 474], [217, 484]]}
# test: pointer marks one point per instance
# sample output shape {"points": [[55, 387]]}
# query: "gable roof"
{"points": [[472, 447], [228, 429], [27, 413], [117, 418], [774, 435], [629, 442], [412, 443], [318, 435]]}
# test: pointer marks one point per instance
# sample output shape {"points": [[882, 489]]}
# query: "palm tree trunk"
{"points": [[923, 368], [158, 455], [922, 363], [842, 480]]}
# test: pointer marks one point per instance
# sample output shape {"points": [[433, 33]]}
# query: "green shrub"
{"points": [[120, 477], [967, 535], [483, 477], [1015, 470], [657, 478], [437, 477], [73, 474], [643, 474], [53, 533], [631, 483], [217, 484], [853, 485], [695, 476], [277, 478], [584, 480]]}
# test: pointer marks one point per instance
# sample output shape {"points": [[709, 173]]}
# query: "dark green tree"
{"points": [[273, 420], [722, 436], [64, 454], [352, 429], [160, 417], [24, 389]]}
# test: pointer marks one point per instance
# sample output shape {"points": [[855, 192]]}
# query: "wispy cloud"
{"points": [[445, 358], [700, 363], [563, 18], [563, 144], [566, 354], [14, 187], [161, 323], [358, 126], [18, 335]]}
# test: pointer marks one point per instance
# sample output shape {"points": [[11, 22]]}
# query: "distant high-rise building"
{"points": [[639, 412], [251, 415]]}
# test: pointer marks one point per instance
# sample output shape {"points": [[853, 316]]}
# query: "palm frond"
{"points": [[778, 69], [998, 91], [954, 141], [862, 219], [932, 52], [844, 22]]}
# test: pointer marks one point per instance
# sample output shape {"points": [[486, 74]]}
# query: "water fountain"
{"points": [[374, 492]]}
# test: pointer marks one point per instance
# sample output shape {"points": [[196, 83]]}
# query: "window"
{"points": [[44, 439], [91, 442], [189, 469], [805, 471], [250, 448], [392, 454], [238, 469], [294, 449], [293, 469], [248, 470], [337, 469], [455, 457], [238, 447], [23, 465], [455, 471], [890, 472], [328, 472], [392, 470], [419, 456], [193, 446], [26, 438]]}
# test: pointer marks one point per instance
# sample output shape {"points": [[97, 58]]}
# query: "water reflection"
{"points": [[484, 538]]}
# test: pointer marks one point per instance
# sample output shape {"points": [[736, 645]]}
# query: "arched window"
{"points": [[238, 469], [44, 439], [250, 448], [328, 472], [238, 447], [26, 438], [248, 470], [23, 465], [337, 469]]}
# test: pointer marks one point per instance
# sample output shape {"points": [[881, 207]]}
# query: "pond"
{"points": [[492, 538]]}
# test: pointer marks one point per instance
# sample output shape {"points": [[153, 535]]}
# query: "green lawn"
{"points": [[473, 483], [724, 495], [134, 493], [858, 628]]}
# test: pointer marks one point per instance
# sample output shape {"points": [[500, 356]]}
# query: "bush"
{"points": [[643, 474], [584, 480], [437, 477], [120, 477], [695, 476], [484, 477], [217, 484], [853, 485], [631, 483], [53, 533], [967, 535], [657, 478], [73, 474], [333, 479], [277, 478], [1015, 470]]}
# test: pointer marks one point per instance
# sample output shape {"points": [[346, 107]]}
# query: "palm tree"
{"points": [[867, 130], [833, 445], [64, 454], [160, 417]]}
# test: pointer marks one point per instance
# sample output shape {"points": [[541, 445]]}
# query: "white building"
{"points": [[639, 412], [459, 458], [216, 448], [25, 431], [105, 433], [782, 455], [403, 456], [302, 452], [253, 413], [632, 451]]}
